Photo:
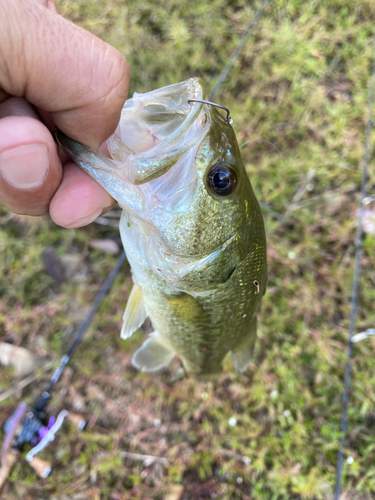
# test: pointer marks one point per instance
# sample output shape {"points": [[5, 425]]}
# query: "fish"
{"points": [[191, 227]]}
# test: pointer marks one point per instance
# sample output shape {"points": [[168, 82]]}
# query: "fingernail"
{"points": [[84, 221], [25, 167]]}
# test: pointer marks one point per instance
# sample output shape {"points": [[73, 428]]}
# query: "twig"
{"points": [[298, 196], [107, 222], [7, 467], [113, 214], [241, 494], [24, 382], [229, 453], [162, 428], [145, 458]]}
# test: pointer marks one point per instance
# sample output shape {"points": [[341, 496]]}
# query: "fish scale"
{"points": [[192, 229]]}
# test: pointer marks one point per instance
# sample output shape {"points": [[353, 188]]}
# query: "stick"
{"points": [[145, 458], [23, 383], [6, 468]]}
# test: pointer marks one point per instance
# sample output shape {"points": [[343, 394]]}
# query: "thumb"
{"points": [[76, 81], [61, 68]]}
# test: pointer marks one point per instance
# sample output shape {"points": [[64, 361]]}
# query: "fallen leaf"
{"points": [[53, 266], [175, 492], [107, 245], [21, 359], [70, 264]]}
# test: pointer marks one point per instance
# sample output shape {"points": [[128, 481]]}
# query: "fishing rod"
{"points": [[29, 424]]}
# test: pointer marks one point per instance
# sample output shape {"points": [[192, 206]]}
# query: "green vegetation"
{"points": [[298, 97]]}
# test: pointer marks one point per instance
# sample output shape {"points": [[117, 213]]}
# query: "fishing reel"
{"points": [[30, 426]]}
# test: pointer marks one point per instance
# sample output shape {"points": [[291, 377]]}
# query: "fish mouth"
{"points": [[156, 129], [154, 119]]}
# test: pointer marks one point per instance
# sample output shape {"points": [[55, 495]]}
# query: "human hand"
{"points": [[53, 73]]}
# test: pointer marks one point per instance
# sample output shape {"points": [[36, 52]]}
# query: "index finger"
{"points": [[61, 68]]}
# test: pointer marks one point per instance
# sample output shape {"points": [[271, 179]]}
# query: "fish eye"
{"points": [[222, 179]]}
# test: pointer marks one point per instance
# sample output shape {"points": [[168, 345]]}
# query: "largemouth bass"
{"points": [[191, 227]]}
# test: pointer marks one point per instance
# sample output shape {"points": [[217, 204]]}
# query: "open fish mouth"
{"points": [[156, 129], [152, 151], [148, 120]]}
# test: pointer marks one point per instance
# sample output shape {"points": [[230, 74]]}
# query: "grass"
{"points": [[298, 96]]}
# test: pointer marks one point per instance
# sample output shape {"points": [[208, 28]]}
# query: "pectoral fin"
{"points": [[186, 309], [152, 355], [242, 354], [135, 313]]}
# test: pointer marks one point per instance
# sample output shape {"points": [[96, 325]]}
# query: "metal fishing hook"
{"points": [[229, 119]]}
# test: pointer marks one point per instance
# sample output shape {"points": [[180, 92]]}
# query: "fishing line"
{"points": [[228, 68], [357, 269]]}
